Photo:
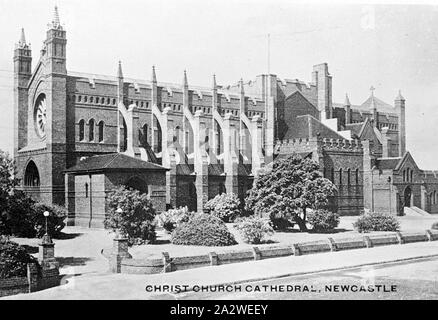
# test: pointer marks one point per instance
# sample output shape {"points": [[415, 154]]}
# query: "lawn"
{"points": [[345, 229]]}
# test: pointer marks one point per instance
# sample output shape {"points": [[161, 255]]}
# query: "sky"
{"points": [[385, 45]]}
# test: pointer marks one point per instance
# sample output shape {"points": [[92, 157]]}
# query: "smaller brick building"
{"points": [[89, 183]]}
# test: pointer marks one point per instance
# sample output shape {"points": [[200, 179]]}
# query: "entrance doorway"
{"points": [[407, 197]]}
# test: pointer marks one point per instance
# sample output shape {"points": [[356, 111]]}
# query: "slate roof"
{"points": [[365, 107], [114, 162], [355, 128], [388, 163]]}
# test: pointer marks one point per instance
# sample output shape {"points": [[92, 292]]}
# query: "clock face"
{"points": [[40, 117]]}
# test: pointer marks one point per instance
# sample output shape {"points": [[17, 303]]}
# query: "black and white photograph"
{"points": [[225, 150]]}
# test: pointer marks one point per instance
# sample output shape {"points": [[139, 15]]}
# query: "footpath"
{"points": [[129, 286]]}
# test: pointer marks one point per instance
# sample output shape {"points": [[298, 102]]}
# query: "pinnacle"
{"points": [[119, 71], [154, 76], [56, 22], [347, 101], [22, 37]]}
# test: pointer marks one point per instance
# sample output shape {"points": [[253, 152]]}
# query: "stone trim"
{"points": [[125, 264]]}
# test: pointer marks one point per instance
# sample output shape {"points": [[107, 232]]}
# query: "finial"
{"points": [[119, 71], [154, 76], [399, 96], [347, 101], [185, 82], [22, 41], [241, 85], [214, 82], [56, 22], [372, 91]]}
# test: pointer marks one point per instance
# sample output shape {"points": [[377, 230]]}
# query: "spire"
{"points": [[185, 82], [56, 22], [399, 96], [22, 41], [214, 82], [347, 101], [119, 71], [154, 76]]}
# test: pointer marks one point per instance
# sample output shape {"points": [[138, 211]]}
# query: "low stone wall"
{"points": [[14, 285], [120, 261], [38, 278]]}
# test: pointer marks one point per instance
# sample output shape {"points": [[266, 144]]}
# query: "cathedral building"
{"points": [[77, 136]]}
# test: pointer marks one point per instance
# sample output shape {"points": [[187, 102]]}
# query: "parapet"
{"points": [[340, 144]]}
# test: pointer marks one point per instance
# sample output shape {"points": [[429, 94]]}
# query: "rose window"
{"points": [[41, 116]]}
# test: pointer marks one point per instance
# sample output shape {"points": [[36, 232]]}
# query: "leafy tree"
{"points": [[287, 188], [19, 214], [136, 218], [225, 206], [7, 180], [14, 260]]}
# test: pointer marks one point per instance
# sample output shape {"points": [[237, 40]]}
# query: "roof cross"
{"points": [[372, 90]]}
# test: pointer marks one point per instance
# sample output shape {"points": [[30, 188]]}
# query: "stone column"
{"points": [[368, 196], [258, 160], [70, 198], [201, 162], [270, 130], [132, 131], [231, 161], [386, 143], [120, 252]]}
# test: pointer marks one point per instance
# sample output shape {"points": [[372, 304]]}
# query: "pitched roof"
{"points": [[388, 163], [113, 161], [366, 106], [355, 128]]}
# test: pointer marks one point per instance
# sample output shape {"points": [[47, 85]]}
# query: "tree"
{"points": [[287, 188], [136, 219], [7, 180]]}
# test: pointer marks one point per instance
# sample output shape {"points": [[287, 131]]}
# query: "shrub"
{"points": [[136, 219], [254, 229], [13, 260], [323, 220], [435, 226], [376, 222], [24, 217], [172, 218], [203, 230], [224, 206]]}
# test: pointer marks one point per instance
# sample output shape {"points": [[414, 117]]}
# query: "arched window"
{"points": [[340, 176], [357, 176], [435, 197], [404, 175], [348, 176], [412, 175], [81, 130], [86, 190], [332, 175], [31, 175], [91, 130], [101, 127], [324, 172]]}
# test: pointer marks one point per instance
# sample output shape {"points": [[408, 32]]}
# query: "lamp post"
{"points": [[120, 233], [46, 237]]}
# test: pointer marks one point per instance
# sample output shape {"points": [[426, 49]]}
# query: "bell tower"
{"points": [[55, 46], [22, 75]]}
